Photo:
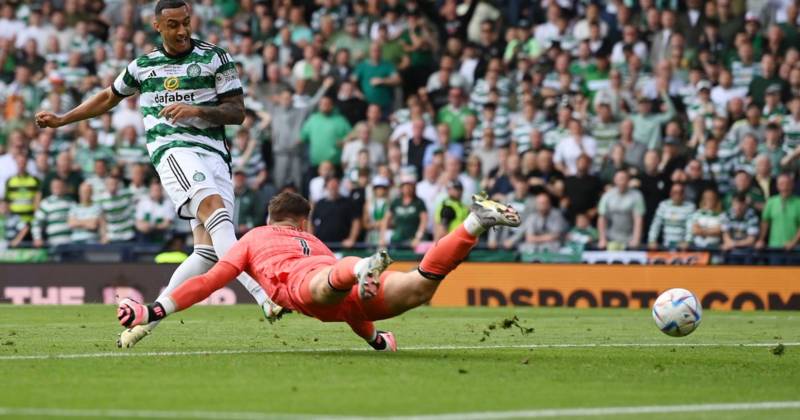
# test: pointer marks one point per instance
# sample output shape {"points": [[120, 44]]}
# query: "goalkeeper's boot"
{"points": [[490, 213], [368, 273], [129, 337], [384, 341]]}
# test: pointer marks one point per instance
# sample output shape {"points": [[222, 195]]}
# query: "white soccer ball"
{"points": [[677, 312]]}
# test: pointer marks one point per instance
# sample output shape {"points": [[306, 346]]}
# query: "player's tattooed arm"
{"points": [[230, 110]]}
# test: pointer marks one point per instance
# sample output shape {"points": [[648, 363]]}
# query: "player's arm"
{"points": [[230, 111], [97, 105]]}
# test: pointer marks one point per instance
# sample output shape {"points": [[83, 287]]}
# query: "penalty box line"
{"points": [[497, 415], [124, 353]]}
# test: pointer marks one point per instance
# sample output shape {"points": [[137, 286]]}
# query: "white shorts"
{"points": [[189, 176]]}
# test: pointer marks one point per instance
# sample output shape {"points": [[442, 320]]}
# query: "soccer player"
{"points": [[188, 91], [300, 273]]}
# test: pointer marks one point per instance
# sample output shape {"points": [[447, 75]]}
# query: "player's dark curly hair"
{"points": [[288, 206], [169, 4]]}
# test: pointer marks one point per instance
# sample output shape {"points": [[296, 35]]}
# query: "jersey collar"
{"points": [[181, 55]]}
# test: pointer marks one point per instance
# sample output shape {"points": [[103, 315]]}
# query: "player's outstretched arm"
{"points": [[98, 104], [131, 313]]}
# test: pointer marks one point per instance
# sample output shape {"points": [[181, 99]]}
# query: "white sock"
{"points": [[199, 262], [220, 226], [473, 225]]}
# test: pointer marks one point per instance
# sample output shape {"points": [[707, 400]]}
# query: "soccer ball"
{"points": [[677, 312]]}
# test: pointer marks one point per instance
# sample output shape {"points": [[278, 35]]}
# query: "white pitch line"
{"points": [[123, 353], [480, 415]]}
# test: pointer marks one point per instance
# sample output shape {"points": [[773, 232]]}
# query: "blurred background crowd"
{"points": [[660, 124]]}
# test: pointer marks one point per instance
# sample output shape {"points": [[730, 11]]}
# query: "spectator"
{"points": [[333, 217], [71, 179], [362, 142], [524, 204], [671, 221], [376, 207], [286, 117], [454, 114], [118, 212], [155, 214], [376, 78], [50, 222], [416, 146], [407, 217], [705, 224], [22, 191], [582, 236], [581, 190], [740, 231], [743, 184], [621, 212], [647, 125], [780, 220], [86, 218], [451, 211], [246, 157], [13, 227], [544, 228], [324, 132], [572, 147], [443, 145]]}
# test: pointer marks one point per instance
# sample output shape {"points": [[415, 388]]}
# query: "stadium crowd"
{"points": [[661, 124]]}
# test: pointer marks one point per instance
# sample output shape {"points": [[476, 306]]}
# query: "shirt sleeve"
{"points": [[226, 76], [126, 84]]}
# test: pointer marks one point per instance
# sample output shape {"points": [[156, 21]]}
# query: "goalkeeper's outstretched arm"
{"points": [[192, 291], [98, 104]]}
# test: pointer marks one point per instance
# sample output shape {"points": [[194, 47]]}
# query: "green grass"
{"points": [[300, 365]]}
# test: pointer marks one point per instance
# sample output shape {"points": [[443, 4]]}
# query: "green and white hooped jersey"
{"points": [[201, 76]]}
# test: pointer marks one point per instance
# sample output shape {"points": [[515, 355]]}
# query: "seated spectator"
{"points": [[154, 215], [739, 231], [621, 211], [86, 217], [695, 183], [583, 235], [407, 217], [780, 220], [444, 144], [545, 178], [544, 228], [50, 222], [118, 212], [14, 229], [488, 153], [705, 224], [671, 220], [743, 184], [333, 218], [450, 212], [316, 187]]}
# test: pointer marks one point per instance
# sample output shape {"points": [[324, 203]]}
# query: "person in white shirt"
{"points": [[725, 91], [154, 214], [570, 148], [630, 37]]}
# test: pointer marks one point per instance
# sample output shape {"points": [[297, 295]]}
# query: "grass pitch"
{"points": [[226, 362]]}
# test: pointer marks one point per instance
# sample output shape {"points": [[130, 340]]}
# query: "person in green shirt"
{"points": [[781, 217], [324, 131], [377, 78], [407, 216], [454, 114]]}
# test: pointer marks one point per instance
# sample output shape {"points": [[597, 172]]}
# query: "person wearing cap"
{"points": [[701, 105], [769, 76], [451, 211], [773, 107], [376, 206], [407, 216]]}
